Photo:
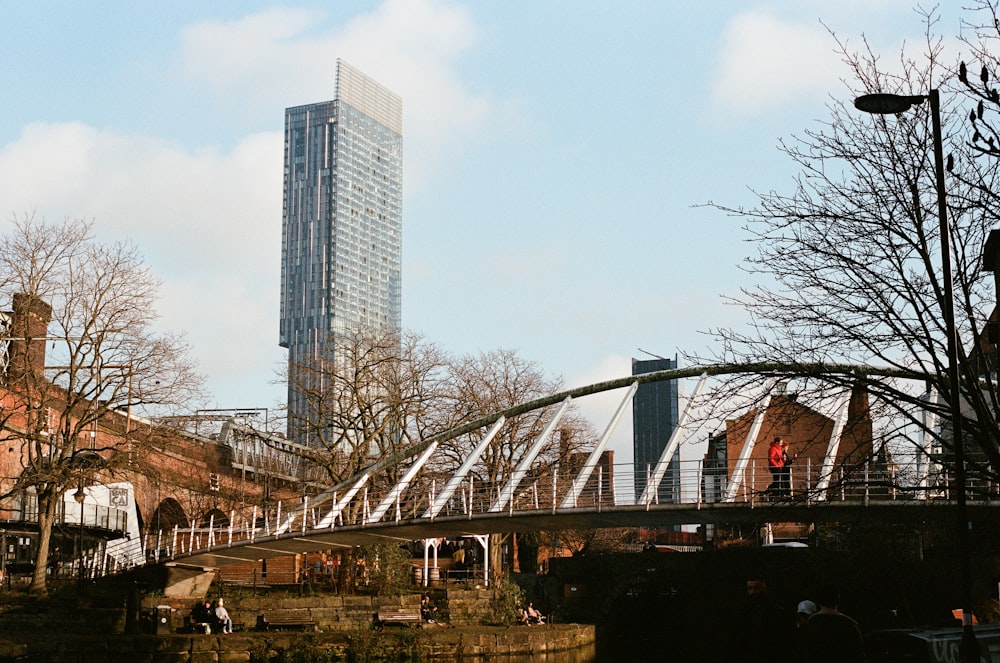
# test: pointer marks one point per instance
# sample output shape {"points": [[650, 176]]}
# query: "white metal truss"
{"points": [[397, 490], [507, 494], [581, 480], [456, 480], [650, 491], [830, 460], [741, 465]]}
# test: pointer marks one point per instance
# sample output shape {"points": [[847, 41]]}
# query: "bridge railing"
{"points": [[688, 483]]}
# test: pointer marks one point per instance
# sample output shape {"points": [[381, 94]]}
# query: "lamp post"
{"points": [[79, 496], [891, 104]]}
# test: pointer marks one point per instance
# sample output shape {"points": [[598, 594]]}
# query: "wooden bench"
{"points": [[405, 616], [272, 622], [252, 585]]}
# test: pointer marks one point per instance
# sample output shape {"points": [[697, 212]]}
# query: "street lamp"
{"points": [[79, 496], [890, 104]]}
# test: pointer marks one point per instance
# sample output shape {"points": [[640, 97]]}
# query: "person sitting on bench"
{"points": [[534, 617], [223, 618], [202, 618], [428, 611]]}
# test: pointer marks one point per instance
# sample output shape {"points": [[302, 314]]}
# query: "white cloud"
{"points": [[208, 219], [278, 58], [767, 63], [208, 224]]}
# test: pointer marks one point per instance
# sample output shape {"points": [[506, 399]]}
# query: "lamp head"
{"points": [[887, 104]]}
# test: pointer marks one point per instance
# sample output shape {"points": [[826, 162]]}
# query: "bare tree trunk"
{"points": [[496, 558], [46, 519]]}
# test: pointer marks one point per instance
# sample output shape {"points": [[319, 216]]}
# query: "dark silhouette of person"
{"points": [[762, 631], [830, 636], [203, 617]]}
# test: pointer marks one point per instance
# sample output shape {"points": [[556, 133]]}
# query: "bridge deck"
{"points": [[656, 515]]}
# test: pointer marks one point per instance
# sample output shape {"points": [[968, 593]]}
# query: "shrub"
{"points": [[505, 606]]}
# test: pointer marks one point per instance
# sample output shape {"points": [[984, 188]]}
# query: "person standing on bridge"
{"points": [[775, 463], [786, 468]]}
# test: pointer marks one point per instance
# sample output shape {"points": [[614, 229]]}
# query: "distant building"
{"points": [[341, 223], [808, 433], [654, 418], [736, 460]]}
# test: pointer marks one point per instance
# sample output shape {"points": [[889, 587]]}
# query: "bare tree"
{"points": [[848, 264], [372, 393], [83, 355], [494, 381], [598, 541]]}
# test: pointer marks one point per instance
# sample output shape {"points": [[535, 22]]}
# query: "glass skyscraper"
{"points": [[654, 418], [342, 219]]}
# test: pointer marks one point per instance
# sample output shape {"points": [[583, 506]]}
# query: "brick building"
{"points": [[153, 478]]}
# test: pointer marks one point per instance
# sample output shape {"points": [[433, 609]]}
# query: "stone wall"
{"points": [[334, 613], [463, 643]]}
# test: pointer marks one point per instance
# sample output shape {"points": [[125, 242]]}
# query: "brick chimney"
{"points": [[29, 325]]}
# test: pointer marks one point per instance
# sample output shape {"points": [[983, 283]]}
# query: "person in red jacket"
{"points": [[775, 463]]}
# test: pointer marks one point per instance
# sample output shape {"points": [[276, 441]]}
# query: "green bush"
{"points": [[505, 606], [388, 568]]}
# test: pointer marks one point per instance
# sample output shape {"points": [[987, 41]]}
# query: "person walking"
{"points": [[775, 463]]}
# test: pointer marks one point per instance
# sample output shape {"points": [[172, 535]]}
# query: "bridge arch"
{"points": [[215, 517], [325, 518], [169, 514], [775, 370]]}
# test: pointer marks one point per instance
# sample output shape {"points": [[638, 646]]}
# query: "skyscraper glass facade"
{"points": [[342, 220], [654, 418]]}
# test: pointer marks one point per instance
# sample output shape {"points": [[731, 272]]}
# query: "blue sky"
{"points": [[554, 156]]}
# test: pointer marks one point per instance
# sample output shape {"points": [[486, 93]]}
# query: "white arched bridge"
{"points": [[589, 491]]}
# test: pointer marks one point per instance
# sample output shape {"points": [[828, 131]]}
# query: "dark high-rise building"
{"points": [[654, 418], [342, 221]]}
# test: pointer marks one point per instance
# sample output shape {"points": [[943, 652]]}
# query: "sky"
{"points": [[556, 159]]}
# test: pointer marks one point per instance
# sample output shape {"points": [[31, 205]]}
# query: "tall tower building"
{"points": [[341, 241], [654, 418]]}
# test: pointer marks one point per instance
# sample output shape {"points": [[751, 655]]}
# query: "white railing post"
{"points": [[364, 508], [699, 477], [432, 500], [600, 487], [555, 487], [809, 481]]}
